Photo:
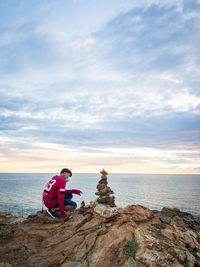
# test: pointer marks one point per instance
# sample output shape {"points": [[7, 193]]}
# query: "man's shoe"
{"points": [[53, 214]]}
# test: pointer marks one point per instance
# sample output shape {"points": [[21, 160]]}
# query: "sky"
{"points": [[92, 84]]}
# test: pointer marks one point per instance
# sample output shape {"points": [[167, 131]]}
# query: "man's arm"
{"points": [[61, 196], [73, 191]]}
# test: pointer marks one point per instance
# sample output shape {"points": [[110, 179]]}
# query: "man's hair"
{"points": [[66, 170]]}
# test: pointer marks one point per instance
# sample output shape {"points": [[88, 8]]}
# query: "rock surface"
{"points": [[137, 237]]}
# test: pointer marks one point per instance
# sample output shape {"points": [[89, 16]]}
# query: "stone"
{"points": [[103, 177], [166, 220], [107, 200], [103, 181], [83, 208], [102, 236], [105, 210], [108, 190], [72, 264], [167, 209], [101, 186], [83, 204], [138, 214], [104, 172], [105, 191], [101, 194]]}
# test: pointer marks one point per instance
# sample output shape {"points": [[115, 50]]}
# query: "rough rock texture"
{"points": [[137, 237]]}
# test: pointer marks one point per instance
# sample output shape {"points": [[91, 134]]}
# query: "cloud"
{"points": [[125, 78], [160, 41], [44, 158]]}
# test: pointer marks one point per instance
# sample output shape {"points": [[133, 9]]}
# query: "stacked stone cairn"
{"points": [[104, 191]]}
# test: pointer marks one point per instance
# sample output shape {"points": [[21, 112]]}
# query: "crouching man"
{"points": [[56, 198]]}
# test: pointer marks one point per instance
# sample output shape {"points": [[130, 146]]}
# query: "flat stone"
{"points": [[103, 193], [101, 186], [107, 200], [104, 172], [105, 210]]}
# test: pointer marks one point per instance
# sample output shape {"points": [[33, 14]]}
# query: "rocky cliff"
{"points": [[133, 236]]}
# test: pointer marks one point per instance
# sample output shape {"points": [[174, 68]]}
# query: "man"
{"points": [[55, 197]]}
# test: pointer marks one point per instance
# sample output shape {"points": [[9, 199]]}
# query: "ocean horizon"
{"points": [[21, 193]]}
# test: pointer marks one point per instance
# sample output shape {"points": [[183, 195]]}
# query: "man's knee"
{"points": [[68, 202], [70, 206], [73, 204], [68, 196]]}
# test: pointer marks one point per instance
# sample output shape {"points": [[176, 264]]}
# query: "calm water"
{"points": [[21, 193]]}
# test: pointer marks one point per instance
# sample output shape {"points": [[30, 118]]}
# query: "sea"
{"points": [[21, 193]]}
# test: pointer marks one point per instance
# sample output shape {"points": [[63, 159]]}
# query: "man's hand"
{"points": [[80, 192], [75, 191]]}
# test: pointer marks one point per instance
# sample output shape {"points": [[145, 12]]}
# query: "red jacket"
{"points": [[55, 189]]}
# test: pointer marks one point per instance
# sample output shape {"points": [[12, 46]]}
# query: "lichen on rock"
{"points": [[131, 248]]}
